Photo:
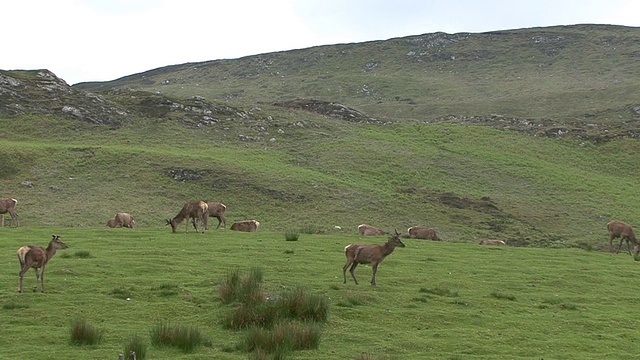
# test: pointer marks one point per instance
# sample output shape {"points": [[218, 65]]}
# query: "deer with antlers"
{"points": [[369, 254]]}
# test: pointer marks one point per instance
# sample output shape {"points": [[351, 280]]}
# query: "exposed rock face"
{"points": [[42, 92]]}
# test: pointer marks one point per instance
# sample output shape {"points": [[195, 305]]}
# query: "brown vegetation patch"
{"points": [[327, 108]]}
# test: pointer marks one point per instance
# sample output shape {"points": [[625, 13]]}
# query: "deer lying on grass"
{"points": [[246, 225], [121, 220], [625, 232], [195, 210], [422, 232], [368, 230], [368, 254], [217, 210], [492, 242], [8, 205], [37, 257]]}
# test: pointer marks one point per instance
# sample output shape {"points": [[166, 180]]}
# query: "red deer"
{"points": [[121, 220], [195, 210], [217, 210], [246, 225], [37, 257], [368, 254], [8, 205], [368, 230], [625, 232], [492, 242], [423, 232]]}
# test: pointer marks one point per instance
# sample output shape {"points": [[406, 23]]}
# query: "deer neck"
{"points": [[388, 248], [50, 251]]}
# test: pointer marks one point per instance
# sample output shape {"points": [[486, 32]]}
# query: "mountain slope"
{"points": [[524, 135]]}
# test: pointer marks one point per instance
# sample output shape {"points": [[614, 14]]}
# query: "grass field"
{"points": [[433, 300]]}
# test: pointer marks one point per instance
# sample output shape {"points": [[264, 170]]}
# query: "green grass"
{"points": [[548, 300]]}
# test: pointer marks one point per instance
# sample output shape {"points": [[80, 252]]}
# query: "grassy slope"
{"points": [[540, 190], [439, 300]]}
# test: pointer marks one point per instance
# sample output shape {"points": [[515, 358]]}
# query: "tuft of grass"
{"points": [[300, 305], [502, 296], [12, 306], [439, 292], [291, 236], [166, 289], [82, 254], [136, 344], [283, 338], [182, 337], [121, 293], [242, 289], [81, 333]]}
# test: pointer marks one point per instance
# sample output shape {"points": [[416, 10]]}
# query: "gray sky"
{"points": [[99, 40]]}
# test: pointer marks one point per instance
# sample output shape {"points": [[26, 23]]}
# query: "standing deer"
{"points": [[37, 257], [217, 210], [369, 254], [8, 205], [625, 232], [196, 210]]}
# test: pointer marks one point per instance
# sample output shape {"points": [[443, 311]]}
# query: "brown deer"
{"points": [[217, 210], [195, 210], [246, 225], [121, 220], [37, 257], [492, 242], [625, 232], [368, 254], [8, 205], [368, 230], [423, 232]]}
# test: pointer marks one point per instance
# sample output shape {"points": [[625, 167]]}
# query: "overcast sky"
{"points": [[100, 40]]}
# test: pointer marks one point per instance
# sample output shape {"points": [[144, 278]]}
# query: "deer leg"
{"points": [[42, 279], [352, 271], [344, 270], [35, 288], [628, 246], [22, 271], [620, 245], [374, 269]]}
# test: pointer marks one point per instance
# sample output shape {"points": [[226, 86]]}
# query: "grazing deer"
{"points": [[37, 257], [368, 230], [217, 210], [368, 254], [8, 205], [625, 232], [122, 220], [196, 210]]}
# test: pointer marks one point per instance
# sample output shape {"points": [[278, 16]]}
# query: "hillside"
{"points": [[525, 135]]}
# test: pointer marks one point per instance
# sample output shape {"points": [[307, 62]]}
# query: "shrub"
{"points": [[137, 345], [184, 338], [84, 334]]}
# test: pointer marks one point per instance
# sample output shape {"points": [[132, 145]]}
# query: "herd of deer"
{"points": [[36, 257]]}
